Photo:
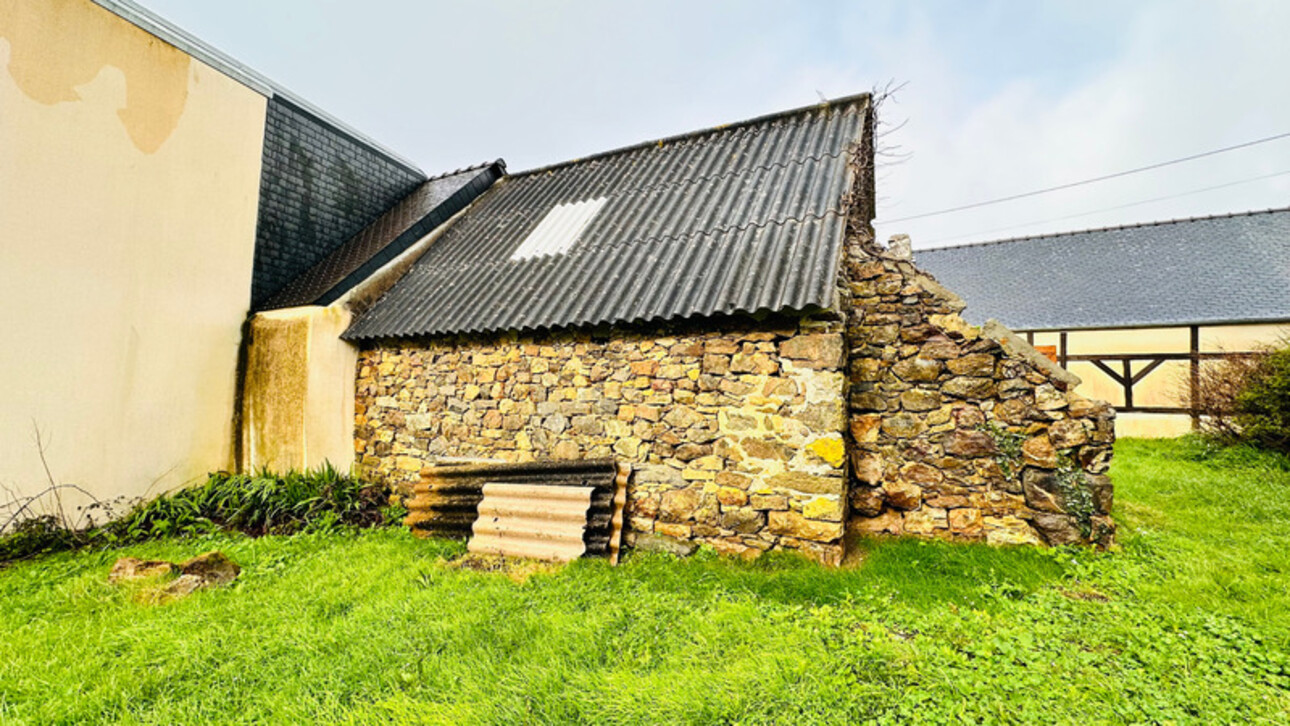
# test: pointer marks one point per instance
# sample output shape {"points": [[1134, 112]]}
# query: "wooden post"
{"points": [[1061, 350], [1127, 381], [1194, 383]]}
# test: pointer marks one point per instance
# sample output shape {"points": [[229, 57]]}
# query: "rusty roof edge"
{"points": [[855, 99], [541, 466]]}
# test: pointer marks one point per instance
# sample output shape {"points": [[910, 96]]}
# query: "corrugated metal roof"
{"points": [[738, 219], [1229, 268], [418, 214]]}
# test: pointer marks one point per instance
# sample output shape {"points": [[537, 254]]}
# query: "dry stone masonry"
{"points": [[962, 432], [737, 437], [892, 416]]}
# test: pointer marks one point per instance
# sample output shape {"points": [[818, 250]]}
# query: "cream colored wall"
{"points": [[1168, 384], [298, 399], [129, 178]]}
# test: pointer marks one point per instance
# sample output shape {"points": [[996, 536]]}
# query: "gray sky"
{"points": [[1000, 97]]}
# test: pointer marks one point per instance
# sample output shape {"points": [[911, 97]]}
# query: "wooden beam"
{"points": [[1194, 379]]}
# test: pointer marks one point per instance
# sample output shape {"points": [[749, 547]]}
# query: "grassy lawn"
{"points": [[1188, 623]]}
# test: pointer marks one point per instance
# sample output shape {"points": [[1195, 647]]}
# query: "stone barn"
{"points": [[711, 312]]}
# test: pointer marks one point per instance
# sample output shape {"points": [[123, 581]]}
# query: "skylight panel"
{"points": [[559, 229]]}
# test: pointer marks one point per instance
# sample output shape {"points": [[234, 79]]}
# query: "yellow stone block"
{"points": [[709, 463], [830, 449], [827, 508]]}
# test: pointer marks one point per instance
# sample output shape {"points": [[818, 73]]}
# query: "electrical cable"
{"points": [[1070, 185], [1107, 209]]}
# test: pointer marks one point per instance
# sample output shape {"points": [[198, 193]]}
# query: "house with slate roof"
{"points": [[1136, 310]]}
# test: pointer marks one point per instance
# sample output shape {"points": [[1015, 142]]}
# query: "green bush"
{"points": [[35, 536], [255, 505], [1263, 405]]}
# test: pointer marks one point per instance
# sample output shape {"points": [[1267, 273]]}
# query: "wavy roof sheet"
{"points": [[1225, 269], [738, 219]]}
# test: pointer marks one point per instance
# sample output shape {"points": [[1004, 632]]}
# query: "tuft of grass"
{"points": [[375, 626], [264, 503]]}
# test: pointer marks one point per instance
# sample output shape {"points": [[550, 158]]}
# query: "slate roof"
{"points": [[1223, 269], [739, 219], [424, 209]]}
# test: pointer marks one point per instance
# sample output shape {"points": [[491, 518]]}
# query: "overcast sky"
{"points": [[999, 98]]}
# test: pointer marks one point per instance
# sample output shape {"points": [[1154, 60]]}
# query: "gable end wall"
{"points": [[318, 188]]}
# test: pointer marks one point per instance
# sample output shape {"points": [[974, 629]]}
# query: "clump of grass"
{"points": [[259, 504]]}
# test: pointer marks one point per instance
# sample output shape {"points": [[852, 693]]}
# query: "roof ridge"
{"points": [[836, 103], [1112, 228], [677, 183], [500, 163]]}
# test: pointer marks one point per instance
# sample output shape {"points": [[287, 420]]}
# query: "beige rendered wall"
{"points": [[298, 399], [129, 177], [1167, 384]]}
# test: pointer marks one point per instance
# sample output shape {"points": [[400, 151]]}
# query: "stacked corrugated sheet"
{"points": [[548, 509]]}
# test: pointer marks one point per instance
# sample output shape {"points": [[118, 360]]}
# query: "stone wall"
{"points": [[736, 437], [962, 432]]}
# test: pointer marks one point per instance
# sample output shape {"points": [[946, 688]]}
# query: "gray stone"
{"points": [[920, 400], [916, 370], [968, 387], [666, 545], [970, 444], [1042, 492], [1103, 492], [1017, 347], [743, 520], [1057, 529], [902, 426]]}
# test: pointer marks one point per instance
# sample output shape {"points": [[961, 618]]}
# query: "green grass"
{"points": [[1188, 623]]}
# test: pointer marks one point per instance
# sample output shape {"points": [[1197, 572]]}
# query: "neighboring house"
{"points": [[1135, 310], [710, 310], [153, 192]]}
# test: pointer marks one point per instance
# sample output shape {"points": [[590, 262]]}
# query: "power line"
{"points": [[1109, 209], [1060, 187]]}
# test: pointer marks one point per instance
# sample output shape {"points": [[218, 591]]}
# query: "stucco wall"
{"points": [[1167, 385], [129, 175], [736, 436], [298, 396]]}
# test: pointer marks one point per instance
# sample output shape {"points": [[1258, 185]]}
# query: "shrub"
{"points": [[1263, 403], [1217, 388], [264, 503], [36, 536]]}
